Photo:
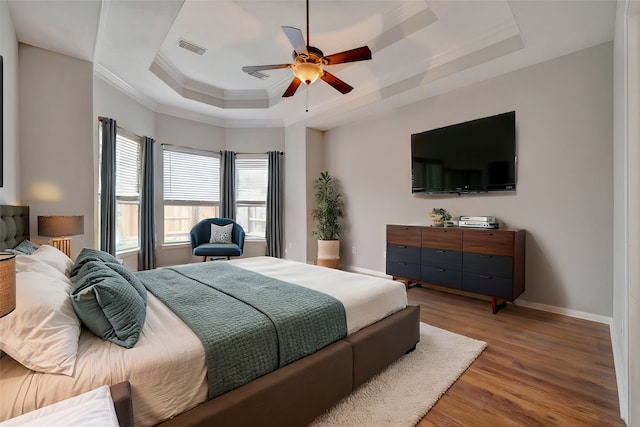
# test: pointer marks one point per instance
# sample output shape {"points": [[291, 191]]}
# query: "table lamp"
{"points": [[7, 283], [59, 227]]}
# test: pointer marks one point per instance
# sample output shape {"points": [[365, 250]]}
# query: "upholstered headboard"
{"points": [[14, 225]]}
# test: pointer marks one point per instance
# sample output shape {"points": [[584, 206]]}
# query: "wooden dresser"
{"points": [[482, 261]]}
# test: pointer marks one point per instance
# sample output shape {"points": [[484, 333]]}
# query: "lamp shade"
{"points": [[7, 283], [57, 226]]}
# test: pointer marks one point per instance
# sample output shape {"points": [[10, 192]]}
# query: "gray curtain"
{"points": [[147, 256], [108, 186], [228, 190], [274, 232]]}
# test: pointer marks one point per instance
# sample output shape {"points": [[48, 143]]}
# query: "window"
{"points": [[127, 192], [191, 186], [251, 194]]}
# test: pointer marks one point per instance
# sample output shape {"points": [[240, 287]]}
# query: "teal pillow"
{"points": [[24, 248], [92, 265], [109, 305], [87, 254]]}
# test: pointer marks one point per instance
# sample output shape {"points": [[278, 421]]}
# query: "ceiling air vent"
{"points": [[259, 75], [191, 47]]}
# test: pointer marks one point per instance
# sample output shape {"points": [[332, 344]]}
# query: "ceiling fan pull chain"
{"points": [[306, 102]]}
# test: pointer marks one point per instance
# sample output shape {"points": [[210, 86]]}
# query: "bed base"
{"points": [[297, 393]]}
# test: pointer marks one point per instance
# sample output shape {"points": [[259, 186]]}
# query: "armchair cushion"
{"points": [[221, 233], [217, 249]]}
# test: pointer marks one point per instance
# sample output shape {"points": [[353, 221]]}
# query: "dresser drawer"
{"points": [[446, 238], [404, 235], [493, 242], [489, 265], [449, 260], [442, 276], [488, 285], [408, 254], [403, 269]]}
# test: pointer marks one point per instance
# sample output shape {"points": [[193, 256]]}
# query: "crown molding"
{"points": [[115, 81]]}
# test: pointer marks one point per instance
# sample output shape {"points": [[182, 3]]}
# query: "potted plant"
{"points": [[328, 214], [439, 216]]}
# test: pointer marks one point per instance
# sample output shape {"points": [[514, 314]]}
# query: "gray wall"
{"points": [[9, 193], [56, 126], [565, 168]]}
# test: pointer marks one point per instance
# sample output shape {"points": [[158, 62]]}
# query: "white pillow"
{"points": [[221, 233], [55, 258], [93, 408], [42, 332], [30, 263]]}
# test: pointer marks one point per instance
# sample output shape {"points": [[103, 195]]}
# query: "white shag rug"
{"points": [[403, 393]]}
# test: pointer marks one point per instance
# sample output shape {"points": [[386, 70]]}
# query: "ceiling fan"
{"points": [[308, 61]]}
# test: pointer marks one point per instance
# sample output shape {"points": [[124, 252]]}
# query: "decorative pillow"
{"points": [[94, 407], [92, 266], [24, 248], [42, 332], [108, 305], [221, 233], [55, 258], [87, 254]]}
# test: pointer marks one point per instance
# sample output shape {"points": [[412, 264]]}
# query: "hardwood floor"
{"points": [[539, 368]]}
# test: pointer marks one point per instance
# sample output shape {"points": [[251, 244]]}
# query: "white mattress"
{"points": [[166, 368]]}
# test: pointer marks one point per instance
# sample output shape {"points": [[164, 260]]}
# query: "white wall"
{"points": [[9, 193], [565, 168], [633, 144], [56, 126], [295, 184]]}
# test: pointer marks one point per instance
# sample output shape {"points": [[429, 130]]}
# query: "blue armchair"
{"points": [[201, 236]]}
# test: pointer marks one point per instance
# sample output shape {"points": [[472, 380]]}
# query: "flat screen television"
{"points": [[477, 156]]}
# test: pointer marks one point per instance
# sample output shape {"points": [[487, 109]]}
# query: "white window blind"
{"points": [[127, 168], [251, 179], [190, 176]]}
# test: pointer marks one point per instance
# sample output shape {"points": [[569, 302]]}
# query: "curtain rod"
{"points": [[100, 118], [212, 151]]}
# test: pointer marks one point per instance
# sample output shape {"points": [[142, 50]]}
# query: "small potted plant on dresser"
{"points": [[328, 214], [440, 217]]}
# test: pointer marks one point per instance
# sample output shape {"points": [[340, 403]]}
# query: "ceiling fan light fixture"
{"points": [[307, 72]]}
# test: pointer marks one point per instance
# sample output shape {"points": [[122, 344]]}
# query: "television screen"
{"points": [[470, 157]]}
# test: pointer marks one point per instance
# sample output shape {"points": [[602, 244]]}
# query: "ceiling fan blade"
{"points": [[337, 84], [297, 39], [358, 54], [292, 87], [254, 68]]}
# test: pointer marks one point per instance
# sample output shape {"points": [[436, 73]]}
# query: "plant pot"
{"points": [[329, 253]]}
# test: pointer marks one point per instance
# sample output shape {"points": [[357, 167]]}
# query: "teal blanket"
{"points": [[249, 324]]}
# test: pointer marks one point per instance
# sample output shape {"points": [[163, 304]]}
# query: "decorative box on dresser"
{"points": [[481, 261]]}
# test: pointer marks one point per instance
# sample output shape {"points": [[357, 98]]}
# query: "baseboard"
{"points": [[565, 311], [621, 366]]}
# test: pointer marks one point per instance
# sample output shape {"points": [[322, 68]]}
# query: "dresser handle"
{"points": [[485, 277], [440, 251], [404, 228], [486, 256], [402, 246], [440, 269], [488, 234]]}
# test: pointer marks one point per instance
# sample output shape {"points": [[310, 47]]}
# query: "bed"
{"points": [[167, 370]]}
